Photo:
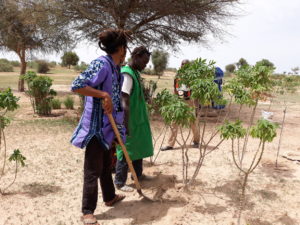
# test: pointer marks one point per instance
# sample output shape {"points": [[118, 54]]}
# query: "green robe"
{"points": [[139, 142]]}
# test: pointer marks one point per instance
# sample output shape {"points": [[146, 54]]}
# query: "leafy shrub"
{"points": [[52, 64], [15, 63], [8, 102], [5, 66], [5, 61], [56, 103], [42, 66], [32, 64], [40, 92], [69, 102]]}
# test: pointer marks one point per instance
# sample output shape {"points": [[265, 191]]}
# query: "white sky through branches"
{"points": [[267, 29]]}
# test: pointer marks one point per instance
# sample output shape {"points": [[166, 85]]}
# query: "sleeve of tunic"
{"points": [[93, 76], [127, 84]]}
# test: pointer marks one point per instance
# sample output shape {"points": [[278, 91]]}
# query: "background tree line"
{"points": [[28, 26]]}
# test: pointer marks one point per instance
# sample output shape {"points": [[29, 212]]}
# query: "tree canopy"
{"points": [[28, 25], [242, 63], [266, 62], [160, 61], [230, 68], [69, 59], [157, 22]]}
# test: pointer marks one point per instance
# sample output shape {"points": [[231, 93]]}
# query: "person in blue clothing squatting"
{"points": [[219, 74]]}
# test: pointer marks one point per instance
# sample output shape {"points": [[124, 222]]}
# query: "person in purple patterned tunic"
{"points": [[101, 85]]}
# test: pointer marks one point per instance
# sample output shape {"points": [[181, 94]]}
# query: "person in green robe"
{"points": [[138, 133]]}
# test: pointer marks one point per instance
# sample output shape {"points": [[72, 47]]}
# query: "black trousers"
{"points": [[97, 166], [122, 170]]}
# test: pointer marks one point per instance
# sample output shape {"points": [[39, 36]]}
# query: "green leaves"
{"points": [[29, 76], [198, 69], [174, 110], [205, 91], [239, 92], [199, 75], [179, 113], [232, 130], [250, 84], [40, 90], [8, 101], [163, 98], [4, 121], [286, 84], [17, 157], [264, 130]]}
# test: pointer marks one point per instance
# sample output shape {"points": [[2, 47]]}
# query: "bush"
{"points": [[56, 103], [40, 92], [42, 66], [52, 64], [82, 67], [8, 102], [15, 63], [69, 102], [32, 64], [5, 66]]}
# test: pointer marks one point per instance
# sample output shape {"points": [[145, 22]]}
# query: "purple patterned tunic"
{"points": [[104, 75]]}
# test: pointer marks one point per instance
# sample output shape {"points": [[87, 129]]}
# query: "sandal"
{"points": [[116, 199], [89, 219]]}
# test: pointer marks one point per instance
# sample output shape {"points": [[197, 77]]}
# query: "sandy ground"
{"points": [[48, 190]]}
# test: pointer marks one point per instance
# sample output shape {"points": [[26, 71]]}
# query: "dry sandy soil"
{"points": [[48, 190]]}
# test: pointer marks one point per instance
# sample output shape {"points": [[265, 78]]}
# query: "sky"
{"points": [[267, 29]]}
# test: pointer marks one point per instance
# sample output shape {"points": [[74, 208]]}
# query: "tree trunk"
{"points": [[21, 55]]}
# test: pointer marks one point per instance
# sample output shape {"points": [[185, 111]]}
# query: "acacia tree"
{"points": [[242, 63], [159, 61], [69, 58], [267, 63], [296, 70], [165, 22], [27, 26], [230, 68]]}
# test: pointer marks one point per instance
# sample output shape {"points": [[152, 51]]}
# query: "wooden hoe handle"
{"points": [[128, 160]]}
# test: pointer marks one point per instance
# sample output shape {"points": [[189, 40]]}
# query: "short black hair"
{"points": [[139, 51]]}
